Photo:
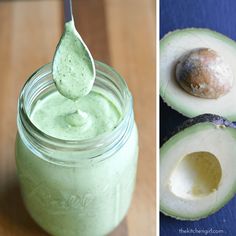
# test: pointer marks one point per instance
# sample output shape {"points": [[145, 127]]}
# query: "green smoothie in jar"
{"points": [[77, 144]]}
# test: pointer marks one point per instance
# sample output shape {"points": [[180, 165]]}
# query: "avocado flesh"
{"points": [[196, 175], [176, 44], [197, 168]]}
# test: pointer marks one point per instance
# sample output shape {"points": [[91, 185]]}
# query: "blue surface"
{"points": [[218, 15]]}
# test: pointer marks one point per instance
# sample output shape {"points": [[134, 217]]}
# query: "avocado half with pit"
{"points": [[197, 168], [198, 72]]}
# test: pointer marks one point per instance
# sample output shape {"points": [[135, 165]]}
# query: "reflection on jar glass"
{"points": [[73, 188]]}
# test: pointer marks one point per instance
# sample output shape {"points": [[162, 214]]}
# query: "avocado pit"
{"points": [[203, 73], [198, 174]]}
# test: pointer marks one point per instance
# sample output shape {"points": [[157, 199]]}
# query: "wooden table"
{"points": [[118, 32]]}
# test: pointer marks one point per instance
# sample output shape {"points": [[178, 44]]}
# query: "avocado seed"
{"points": [[203, 73]]}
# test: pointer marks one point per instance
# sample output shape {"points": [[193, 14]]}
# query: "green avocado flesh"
{"points": [[176, 44], [197, 170]]}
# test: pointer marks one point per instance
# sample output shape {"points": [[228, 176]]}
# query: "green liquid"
{"points": [[73, 66], [62, 118], [89, 199]]}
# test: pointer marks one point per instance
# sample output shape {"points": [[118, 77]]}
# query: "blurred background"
{"points": [[120, 33], [217, 15]]}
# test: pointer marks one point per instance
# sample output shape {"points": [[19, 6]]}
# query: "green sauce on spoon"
{"points": [[73, 66]]}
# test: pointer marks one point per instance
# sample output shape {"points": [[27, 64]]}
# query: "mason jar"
{"points": [[70, 187]]}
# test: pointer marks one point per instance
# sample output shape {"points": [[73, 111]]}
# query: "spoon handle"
{"points": [[68, 10]]}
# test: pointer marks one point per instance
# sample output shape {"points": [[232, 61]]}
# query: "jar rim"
{"points": [[73, 145]]}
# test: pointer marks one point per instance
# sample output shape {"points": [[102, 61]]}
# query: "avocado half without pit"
{"points": [[198, 72], [197, 168]]}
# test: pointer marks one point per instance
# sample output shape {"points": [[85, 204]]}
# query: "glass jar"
{"points": [[73, 188]]}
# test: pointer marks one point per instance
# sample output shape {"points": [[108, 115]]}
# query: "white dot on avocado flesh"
{"points": [[203, 73], [73, 66]]}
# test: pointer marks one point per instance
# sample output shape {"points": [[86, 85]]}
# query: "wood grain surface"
{"points": [[118, 32]]}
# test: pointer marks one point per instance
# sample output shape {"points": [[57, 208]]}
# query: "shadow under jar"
{"points": [[77, 188]]}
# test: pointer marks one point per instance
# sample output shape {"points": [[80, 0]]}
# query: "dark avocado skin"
{"points": [[186, 123], [215, 119], [169, 120]]}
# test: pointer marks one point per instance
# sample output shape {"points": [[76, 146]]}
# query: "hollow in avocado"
{"points": [[197, 168]]}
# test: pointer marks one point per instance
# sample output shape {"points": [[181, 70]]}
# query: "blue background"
{"points": [[218, 15]]}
